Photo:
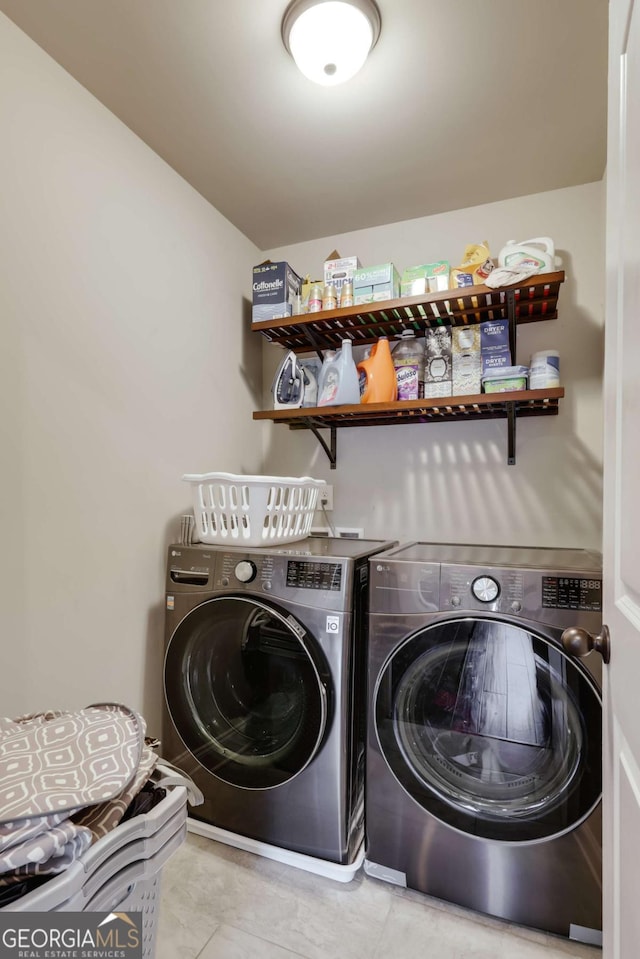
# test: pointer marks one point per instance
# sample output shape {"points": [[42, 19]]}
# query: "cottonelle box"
{"points": [[374, 283], [275, 289]]}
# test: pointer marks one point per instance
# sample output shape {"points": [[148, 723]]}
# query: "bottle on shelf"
{"points": [[377, 376], [408, 363], [339, 378], [315, 298], [329, 297], [346, 294]]}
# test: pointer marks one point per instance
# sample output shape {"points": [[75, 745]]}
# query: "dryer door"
{"points": [[247, 691], [491, 728]]}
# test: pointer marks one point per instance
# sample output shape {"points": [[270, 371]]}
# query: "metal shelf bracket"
{"points": [[331, 449], [511, 434]]}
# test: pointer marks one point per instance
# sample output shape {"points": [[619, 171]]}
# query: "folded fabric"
{"points": [[14, 833], [104, 817], [507, 276], [60, 762], [146, 800], [50, 852]]}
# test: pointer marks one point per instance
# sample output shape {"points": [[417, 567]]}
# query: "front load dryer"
{"points": [[265, 690], [484, 744]]}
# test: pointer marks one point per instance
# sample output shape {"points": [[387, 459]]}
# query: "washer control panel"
{"points": [[296, 576], [311, 574]]}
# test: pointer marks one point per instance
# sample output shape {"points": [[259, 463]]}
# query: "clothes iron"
{"points": [[288, 384]]}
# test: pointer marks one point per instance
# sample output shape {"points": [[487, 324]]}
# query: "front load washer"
{"points": [[484, 746], [265, 690]]}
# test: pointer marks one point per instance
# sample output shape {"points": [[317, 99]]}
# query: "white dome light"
{"points": [[330, 39]]}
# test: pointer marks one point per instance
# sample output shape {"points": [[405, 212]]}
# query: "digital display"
{"points": [[565, 592], [307, 574]]}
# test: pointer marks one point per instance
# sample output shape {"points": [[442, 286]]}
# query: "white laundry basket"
{"points": [[252, 510]]}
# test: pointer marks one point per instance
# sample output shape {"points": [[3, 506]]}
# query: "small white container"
{"points": [[544, 371], [506, 379]]}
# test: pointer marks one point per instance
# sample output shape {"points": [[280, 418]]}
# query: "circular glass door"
{"points": [[247, 691], [492, 728]]}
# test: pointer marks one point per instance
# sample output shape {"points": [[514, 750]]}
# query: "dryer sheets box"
{"points": [[494, 345]]}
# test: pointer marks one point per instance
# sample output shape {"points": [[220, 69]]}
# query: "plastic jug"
{"points": [[537, 254], [378, 382], [408, 363], [339, 378]]}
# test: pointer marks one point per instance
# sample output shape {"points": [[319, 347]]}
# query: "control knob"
{"points": [[485, 589], [246, 571]]}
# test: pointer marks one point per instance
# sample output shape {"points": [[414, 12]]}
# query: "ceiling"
{"points": [[460, 103]]}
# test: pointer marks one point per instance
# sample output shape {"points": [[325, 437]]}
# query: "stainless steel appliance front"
{"points": [[484, 747], [264, 679]]}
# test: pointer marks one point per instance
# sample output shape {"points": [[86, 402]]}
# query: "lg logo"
{"points": [[333, 624]]}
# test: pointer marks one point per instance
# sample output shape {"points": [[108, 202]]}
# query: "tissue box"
{"points": [[427, 278], [276, 287], [338, 270], [374, 283]]}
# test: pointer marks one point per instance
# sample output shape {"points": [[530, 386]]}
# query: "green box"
{"points": [[426, 278], [374, 283]]}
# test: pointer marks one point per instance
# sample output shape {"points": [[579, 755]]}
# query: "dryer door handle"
{"points": [[579, 642]]}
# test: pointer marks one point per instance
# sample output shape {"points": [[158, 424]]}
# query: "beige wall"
{"points": [[126, 361], [450, 482]]}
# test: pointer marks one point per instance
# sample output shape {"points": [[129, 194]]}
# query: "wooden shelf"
{"points": [[531, 302], [442, 409], [480, 406]]}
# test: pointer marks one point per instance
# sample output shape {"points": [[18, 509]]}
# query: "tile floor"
{"points": [[218, 902]]}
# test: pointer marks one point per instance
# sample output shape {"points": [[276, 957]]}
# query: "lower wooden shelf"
{"points": [[443, 409]]}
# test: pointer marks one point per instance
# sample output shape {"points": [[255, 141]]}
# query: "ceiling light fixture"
{"points": [[330, 39]]}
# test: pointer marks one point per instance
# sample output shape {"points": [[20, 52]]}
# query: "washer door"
{"points": [[492, 729], [247, 691]]}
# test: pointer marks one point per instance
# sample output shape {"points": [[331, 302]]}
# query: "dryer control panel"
{"points": [[472, 587], [556, 597], [572, 592]]}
